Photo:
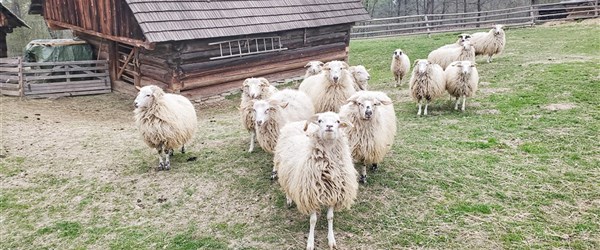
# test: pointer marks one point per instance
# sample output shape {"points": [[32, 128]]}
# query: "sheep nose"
{"points": [[259, 122], [369, 112], [329, 126], [368, 78], [135, 104], [335, 78]]}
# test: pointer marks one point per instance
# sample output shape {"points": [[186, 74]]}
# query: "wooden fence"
{"points": [[53, 79], [438, 23]]}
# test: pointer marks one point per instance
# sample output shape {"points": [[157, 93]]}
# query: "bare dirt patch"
{"points": [[488, 112], [559, 60], [489, 91], [559, 106]]}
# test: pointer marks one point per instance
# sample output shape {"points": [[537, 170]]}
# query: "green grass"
{"points": [[519, 177]]}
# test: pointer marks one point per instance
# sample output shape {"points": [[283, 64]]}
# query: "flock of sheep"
{"points": [[318, 132]]}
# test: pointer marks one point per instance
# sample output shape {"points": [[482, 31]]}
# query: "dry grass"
{"points": [[516, 170]]}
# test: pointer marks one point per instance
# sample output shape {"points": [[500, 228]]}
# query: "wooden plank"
{"points": [[9, 86], [63, 90], [129, 57], [68, 94], [56, 70], [10, 92], [4, 78], [34, 64], [9, 61], [125, 88], [29, 78], [5, 69], [65, 84]]}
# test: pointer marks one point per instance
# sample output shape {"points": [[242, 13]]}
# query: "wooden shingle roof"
{"points": [[9, 20], [170, 20]]}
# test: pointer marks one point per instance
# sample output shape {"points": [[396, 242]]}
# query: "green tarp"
{"points": [[57, 50]]}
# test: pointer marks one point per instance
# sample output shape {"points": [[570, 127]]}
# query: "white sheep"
{"points": [[166, 121], [315, 168], [445, 56], [253, 89], [374, 127], [330, 89], [461, 81], [426, 83], [461, 38], [400, 66], [361, 77], [313, 68], [489, 43], [272, 114]]}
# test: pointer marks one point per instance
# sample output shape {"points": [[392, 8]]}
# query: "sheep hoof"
{"points": [[183, 149], [161, 166], [167, 165], [273, 175], [171, 152], [363, 179], [374, 167]]}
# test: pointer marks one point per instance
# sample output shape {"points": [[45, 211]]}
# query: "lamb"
{"points": [[461, 81], [166, 121], [426, 83], [315, 168], [361, 77], [331, 88], [445, 56], [253, 89], [313, 68], [461, 38], [400, 66], [284, 106], [374, 127], [489, 43]]}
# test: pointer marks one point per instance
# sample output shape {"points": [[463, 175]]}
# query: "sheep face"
{"points": [[465, 66], [146, 96], [253, 87], [263, 110], [314, 67], [335, 70], [498, 29], [398, 53], [467, 45], [463, 37], [329, 125], [360, 73], [367, 104], [421, 66]]}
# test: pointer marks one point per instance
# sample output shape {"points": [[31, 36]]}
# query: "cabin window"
{"points": [[247, 46]]}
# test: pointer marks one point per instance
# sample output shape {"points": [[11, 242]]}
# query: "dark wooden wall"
{"points": [[109, 17], [186, 66], [3, 47]]}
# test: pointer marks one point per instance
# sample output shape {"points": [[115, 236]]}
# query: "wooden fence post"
{"points": [[596, 9], [531, 12], [427, 25], [20, 76]]}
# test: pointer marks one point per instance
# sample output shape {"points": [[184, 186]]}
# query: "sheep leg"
{"points": [[252, 138], [161, 164], [457, 102], [489, 60], [310, 243], [183, 149], [330, 237], [288, 201], [419, 104], [168, 153], [395, 81], [464, 100], [273, 174], [426, 104], [363, 174]]}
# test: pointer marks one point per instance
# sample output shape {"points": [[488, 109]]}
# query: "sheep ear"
{"points": [[346, 66], [345, 124], [352, 99], [312, 119], [138, 88], [264, 81], [326, 67], [320, 63], [307, 65], [385, 101]]}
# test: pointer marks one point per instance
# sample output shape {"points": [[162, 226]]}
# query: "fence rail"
{"points": [[53, 79], [510, 17]]}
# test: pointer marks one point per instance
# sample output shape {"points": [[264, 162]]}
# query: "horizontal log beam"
{"points": [[132, 42]]}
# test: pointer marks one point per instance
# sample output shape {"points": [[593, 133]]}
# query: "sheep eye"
{"points": [[147, 95], [267, 111], [338, 121], [320, 121]]}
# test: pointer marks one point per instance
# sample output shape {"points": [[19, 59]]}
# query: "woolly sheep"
{"points": [[361, 77], [489, 43], [166, 121], [445, 56], [284, 106], [315, 168], [461, 81], [461, 38], [253, 89], [400, 66], [374, 127], [313, 68], [426, 83], [331, 88]]}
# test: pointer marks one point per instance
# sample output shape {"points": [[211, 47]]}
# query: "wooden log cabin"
{"points": [[205, 47], [8, 21]]}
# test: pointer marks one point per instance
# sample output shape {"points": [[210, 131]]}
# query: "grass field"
{"points": [[519, 169]]}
